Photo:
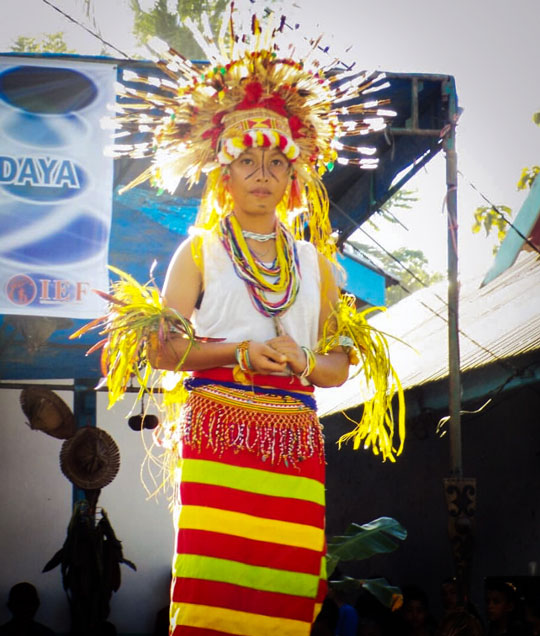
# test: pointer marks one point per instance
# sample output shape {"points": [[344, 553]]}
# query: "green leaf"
{"points": [[389, 595], [480, 213], [347, 584], [331, 563], [363, 541], [55, 561], [528, 175]]}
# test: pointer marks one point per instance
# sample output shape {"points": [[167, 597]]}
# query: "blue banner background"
{"points": [[56, 186]]}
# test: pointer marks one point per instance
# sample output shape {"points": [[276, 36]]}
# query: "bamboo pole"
{"points": [[454, 376]]}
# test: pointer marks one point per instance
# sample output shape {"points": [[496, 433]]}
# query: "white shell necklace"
{"points": [[255, 236]]}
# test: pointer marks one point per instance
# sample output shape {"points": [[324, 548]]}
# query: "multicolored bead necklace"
{"points": [[285, 270]]}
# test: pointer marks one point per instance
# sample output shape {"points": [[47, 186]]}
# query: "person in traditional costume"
{"points": [[250, 518], [249, 320]]}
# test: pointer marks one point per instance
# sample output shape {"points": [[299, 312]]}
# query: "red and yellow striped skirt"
{"points": [[250, 545]]}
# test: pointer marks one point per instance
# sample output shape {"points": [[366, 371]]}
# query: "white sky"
{"points": [[489, 46]]}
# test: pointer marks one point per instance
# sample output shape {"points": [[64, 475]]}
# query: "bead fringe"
{"points": [[277, 430]]}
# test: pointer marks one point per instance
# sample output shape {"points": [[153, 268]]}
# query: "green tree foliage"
{"points": [[416, 275], [528, 175], [408, 266], [495, 218], [489, 218], [402, 200], [49, 43], [169, 26]]}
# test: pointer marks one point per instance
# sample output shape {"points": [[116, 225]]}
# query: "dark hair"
{"points": [[414, 593], [23, 599], [460, 623], [504, 587]]}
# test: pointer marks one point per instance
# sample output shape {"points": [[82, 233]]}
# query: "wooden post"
{"points": [[460, 492]]}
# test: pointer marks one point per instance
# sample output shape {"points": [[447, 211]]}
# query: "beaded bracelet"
{"points": [[310, 363], [347, 344], [242, 356]]}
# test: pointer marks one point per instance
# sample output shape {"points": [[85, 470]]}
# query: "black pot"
{"points": [[135, 422], [150, 421]]}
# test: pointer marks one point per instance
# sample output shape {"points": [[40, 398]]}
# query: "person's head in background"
{"points": [[501, 599]]}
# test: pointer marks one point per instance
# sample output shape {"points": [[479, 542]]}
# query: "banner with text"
{"points": [[55, 186]]}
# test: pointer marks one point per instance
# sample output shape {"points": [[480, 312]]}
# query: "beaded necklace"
{"points": [[285, 270]]}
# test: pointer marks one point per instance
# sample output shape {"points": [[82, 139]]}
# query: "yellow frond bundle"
{"points": [[137, 319], [377, 428]]}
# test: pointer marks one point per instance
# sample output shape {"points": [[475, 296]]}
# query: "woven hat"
{"points": [[90, 459], [47, 412]]}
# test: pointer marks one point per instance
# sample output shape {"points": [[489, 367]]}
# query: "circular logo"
{"points": [[21, 289], [42, 89]]}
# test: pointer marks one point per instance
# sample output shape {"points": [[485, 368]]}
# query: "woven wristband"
{"points": [[242, 356], [310, 362]]}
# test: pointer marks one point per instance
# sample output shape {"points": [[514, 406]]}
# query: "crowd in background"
{"points": [[508, 611]]}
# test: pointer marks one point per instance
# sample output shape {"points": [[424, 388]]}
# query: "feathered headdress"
{"points": [[255, 91]]}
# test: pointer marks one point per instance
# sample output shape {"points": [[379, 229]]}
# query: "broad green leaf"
{"points": [[363, 541], [331, 563], [347, 584], [389, 595]]}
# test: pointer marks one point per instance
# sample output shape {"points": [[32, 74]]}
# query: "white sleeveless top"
{"points": [[228, 312]]}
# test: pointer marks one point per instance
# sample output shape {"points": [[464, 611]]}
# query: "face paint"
{"points": [[258, 180]]}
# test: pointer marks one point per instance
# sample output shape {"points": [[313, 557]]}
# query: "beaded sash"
{"points": [[275, 424]]}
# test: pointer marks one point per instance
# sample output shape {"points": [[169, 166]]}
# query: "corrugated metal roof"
{"points": [[497, 321]]}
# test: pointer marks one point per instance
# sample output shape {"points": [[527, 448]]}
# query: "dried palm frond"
{"points": [[368, 347], [138, 321]]}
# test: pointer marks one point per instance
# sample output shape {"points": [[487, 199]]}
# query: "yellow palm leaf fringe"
{"points": [[137, 318], [377, 428]]}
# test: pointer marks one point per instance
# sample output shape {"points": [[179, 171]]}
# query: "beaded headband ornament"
{"points": [[259, 127], [257, 90]]}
